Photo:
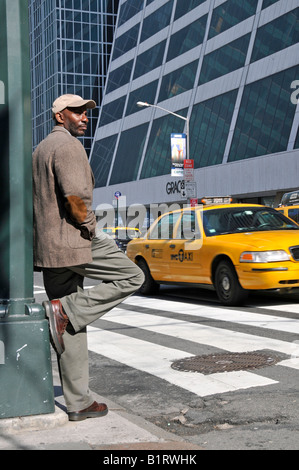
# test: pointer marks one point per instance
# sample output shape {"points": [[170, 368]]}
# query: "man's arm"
{"points": [[75, 182]]}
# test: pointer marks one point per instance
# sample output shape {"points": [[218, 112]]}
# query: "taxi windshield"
{"points": [[245, 219]]}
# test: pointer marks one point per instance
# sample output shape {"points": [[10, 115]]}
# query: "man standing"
{"points": [[67, 249]]}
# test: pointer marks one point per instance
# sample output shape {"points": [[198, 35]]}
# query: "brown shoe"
{"points": [[58, 321], [95, 410]]}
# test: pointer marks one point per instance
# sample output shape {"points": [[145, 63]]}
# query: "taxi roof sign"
{"points": [[290, 199], [216, 200]]}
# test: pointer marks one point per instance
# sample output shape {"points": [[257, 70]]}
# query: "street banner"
{"points": [[178, 143]]}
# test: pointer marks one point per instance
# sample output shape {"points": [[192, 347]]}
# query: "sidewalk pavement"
{"points": [[118, 430]]}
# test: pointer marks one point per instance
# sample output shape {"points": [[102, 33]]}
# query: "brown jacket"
{"points": [[64, 223]]}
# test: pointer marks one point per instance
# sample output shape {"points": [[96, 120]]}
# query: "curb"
{"points": [[33, 423]]}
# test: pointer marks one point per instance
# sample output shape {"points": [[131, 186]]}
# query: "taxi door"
{"points": [[185, 250], [156, 247]]}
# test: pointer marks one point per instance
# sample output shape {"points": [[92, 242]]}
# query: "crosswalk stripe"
{"points": [[220, 338], [156, 360], [289, 325], [293, 362], [291, 308], [39, 290]]}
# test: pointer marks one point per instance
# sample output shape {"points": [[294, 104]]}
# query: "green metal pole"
{"points": [[26, 384]]}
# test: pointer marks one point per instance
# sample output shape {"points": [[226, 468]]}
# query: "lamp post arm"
{"points": [[174, 114], [166, 110], [148, 105]]}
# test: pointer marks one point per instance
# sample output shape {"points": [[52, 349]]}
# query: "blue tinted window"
{"points": [[156, 21], [119, 77], [184, 7], [112, 111], [224, 60], [149, 59], [129, 9], [126, 41], [128, 156], [265, 117], [178, 81], [209, 128], [187, 38], [277, 35], [267, 3], [101, 159], [146, 93], [231, 13]]}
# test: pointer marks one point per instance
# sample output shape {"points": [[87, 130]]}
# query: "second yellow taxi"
{"points": [[233, 247], [122, 235], [290, 205]]}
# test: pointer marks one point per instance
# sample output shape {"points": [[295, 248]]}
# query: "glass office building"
{"points": [[70, 42], [231, 68]]}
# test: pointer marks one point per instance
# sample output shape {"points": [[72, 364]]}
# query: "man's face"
{"points": [[74, 120]]}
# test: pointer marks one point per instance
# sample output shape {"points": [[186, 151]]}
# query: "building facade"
{"points": [[231, 68], [70, 43]]}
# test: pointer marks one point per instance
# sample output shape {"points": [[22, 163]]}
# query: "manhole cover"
{"points": [[224, 362]]}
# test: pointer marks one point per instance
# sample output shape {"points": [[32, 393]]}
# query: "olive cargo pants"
{"points": [[119, 277]]}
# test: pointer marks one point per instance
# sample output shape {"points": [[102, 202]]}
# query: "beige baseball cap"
{"points": [[71, 101]]}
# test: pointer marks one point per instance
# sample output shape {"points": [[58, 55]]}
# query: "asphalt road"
{"points": [[133, 347]]}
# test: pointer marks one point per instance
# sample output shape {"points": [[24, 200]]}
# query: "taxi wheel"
{"points": [[227, 285], [149, 286]]}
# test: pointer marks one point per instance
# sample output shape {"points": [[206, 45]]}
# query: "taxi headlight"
{"points": [[264, 256]]}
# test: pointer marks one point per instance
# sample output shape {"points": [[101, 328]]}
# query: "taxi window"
{"points": [[248, 219], [294, 214], [188, 227], [164, 229]]}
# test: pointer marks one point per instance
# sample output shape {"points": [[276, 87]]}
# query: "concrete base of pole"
{"points": [[25, 367]]}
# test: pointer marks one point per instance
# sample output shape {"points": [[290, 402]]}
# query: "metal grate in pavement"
{"points": [[225, 362]]}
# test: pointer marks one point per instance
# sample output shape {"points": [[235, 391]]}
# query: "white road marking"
{"points": [[225, 339], [156, 360], [259, 320]]}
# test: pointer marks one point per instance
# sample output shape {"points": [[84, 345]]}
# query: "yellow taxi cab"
{"points": [[233, 247], [289, 205], [122, 235]]}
